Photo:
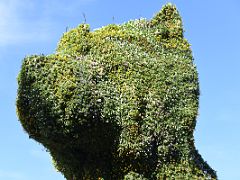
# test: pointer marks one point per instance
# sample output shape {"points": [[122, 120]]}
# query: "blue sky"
{"points": [[212, 27]]}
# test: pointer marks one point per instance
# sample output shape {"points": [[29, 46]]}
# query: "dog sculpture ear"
{"points": [[168, 22], [75, 42]]}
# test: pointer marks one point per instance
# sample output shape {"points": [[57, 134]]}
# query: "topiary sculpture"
{"points": [[118, 103]]}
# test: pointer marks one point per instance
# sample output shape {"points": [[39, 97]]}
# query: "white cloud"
{"points": [[13, 25], [12, 175], [23, 21]]}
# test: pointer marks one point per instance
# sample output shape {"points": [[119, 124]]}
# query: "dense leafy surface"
{"points": [[116, 103]]}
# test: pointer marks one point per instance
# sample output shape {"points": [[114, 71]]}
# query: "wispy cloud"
{"points": [[23, 21], [15, 27], [12, 175]]}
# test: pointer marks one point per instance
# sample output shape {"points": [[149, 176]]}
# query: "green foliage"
{"points": [[117, 103]]}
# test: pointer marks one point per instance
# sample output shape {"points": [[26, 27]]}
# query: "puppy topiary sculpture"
{"points": [[116, 103]]}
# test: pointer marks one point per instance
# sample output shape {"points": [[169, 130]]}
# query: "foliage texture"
{"points": [[119, 102]]}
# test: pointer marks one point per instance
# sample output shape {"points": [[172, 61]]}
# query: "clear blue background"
{"points": [[212, 27]]}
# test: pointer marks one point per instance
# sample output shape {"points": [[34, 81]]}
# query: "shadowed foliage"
{"points": [[118, 103]]}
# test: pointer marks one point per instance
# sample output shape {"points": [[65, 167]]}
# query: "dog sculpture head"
{"points": [[119, 102]]}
